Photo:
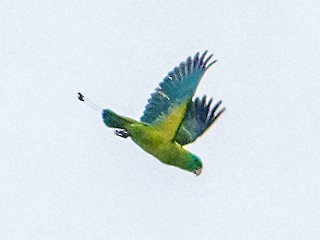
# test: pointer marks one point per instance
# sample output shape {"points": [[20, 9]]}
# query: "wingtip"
{"points": [[220, 112], [210, 64]]}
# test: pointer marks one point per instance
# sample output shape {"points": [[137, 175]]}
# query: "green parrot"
{"points": [[171, 118]]}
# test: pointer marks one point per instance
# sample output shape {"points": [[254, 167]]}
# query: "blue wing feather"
{"points": [[199, 117], [177, 87]]}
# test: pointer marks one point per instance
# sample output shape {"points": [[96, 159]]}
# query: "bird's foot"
{"points": [[121, 133]]}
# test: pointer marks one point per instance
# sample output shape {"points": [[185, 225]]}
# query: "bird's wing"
{"points": [[199, 117], [168, 104]]}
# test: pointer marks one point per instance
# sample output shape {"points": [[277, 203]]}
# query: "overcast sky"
{"points": [[64, 175]]}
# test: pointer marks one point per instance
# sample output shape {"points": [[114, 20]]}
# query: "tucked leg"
{"points": [[121, 133]]}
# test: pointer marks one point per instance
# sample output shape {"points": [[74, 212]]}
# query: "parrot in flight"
{"points": [[171, 118]]}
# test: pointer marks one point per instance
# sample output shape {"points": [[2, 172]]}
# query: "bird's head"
{"points": [[196, 165]]}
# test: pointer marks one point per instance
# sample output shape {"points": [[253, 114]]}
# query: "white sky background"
{"points": [[64, 175]]}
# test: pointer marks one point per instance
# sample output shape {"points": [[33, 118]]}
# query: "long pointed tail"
{"points": [[113, 120], [110, 118], [88, 102]]}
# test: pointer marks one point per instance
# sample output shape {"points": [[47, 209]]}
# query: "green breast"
{"points": [[157, 144]]}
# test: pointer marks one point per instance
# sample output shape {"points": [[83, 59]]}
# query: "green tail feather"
{"points": [[113, 120]]}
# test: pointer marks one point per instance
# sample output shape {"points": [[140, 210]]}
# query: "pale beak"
{"points": [[198, 171]]}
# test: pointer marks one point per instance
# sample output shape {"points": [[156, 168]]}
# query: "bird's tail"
{"points": [[113, 120]]}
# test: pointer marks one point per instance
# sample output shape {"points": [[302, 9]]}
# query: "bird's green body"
{"points": [[156, 141], [157, 144], [171, 118]]}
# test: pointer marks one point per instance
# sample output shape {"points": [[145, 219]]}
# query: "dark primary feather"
{"points": [[199, 117], [178, 86]]}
